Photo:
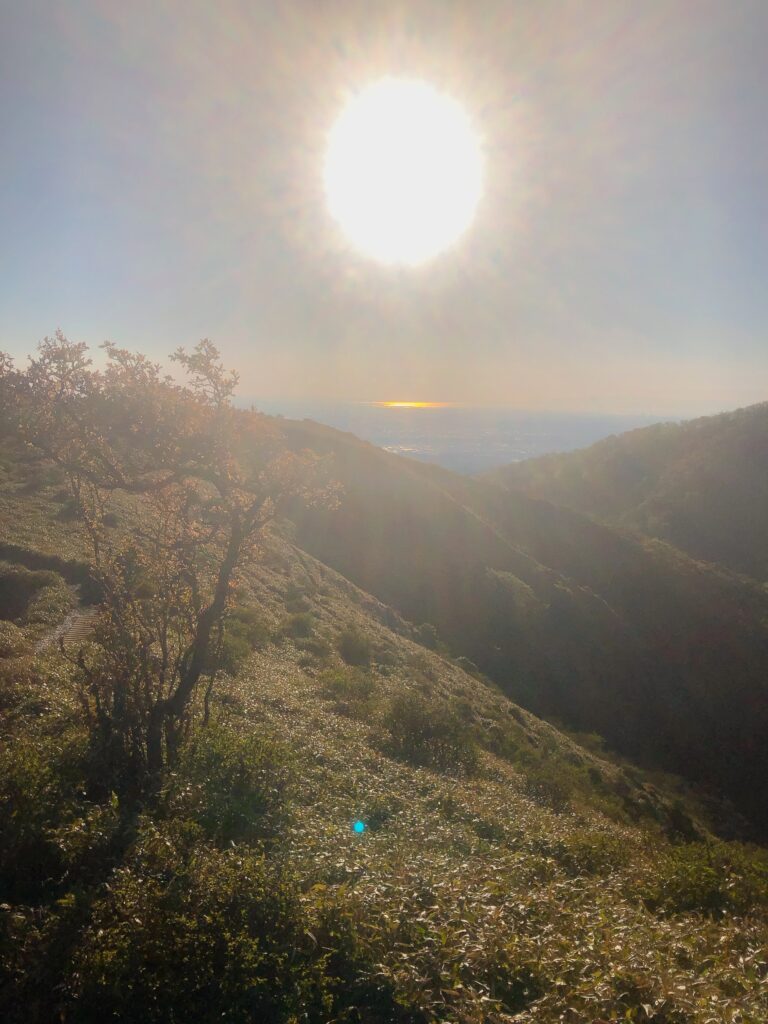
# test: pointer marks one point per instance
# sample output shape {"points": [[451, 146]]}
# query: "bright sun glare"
{"points": [[403, 171]]}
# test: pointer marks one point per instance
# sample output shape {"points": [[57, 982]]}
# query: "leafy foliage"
{"points": [[12, 640], [243, 630], [711, 878], [232, 786], [354, 647], [32, 595], [194, 934], [41, 781], [428, 733], [298, 625]]}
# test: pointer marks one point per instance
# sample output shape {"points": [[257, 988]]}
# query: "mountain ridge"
{"points": [[701, 485]]}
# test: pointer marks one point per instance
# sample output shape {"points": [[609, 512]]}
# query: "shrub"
{"points": [[347, 684], [232, 786], [90, 843], [384, 656], [354, 647], [296, 599], [12, 641], [381, 809], [41, 781], [51, 604], [316, 647], [352, 691], [298, 625], [514, 985], [585, 851], [426, 635], [39, 477], [467, 666], [19, 586], [194, 935], [430, 734], [548, 781], [360, 988], [20, 687], [710, 878], [71, 510], [244, 630]]}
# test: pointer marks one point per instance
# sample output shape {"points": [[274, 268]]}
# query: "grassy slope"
{"points": [[701, 485], [522, 892], [666, 657], [458, 877]]}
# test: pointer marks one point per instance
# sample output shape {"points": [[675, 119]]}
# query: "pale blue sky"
{"points": [[160, 181]]}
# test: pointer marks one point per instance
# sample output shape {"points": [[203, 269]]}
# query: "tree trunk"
{"points": [[155, 738], [209, 618]]}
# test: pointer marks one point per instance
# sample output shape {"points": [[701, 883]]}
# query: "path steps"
{"points": [[75, 629]]}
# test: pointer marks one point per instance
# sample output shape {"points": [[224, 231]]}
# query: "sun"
{"points": [[403, 171]]}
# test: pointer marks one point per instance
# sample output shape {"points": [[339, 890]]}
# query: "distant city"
{"points": [[465, 439]]}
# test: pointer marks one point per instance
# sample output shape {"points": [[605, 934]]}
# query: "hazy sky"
{"points": [[160, 181]]}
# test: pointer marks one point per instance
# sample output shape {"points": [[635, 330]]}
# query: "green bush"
{"points": [[296, 599], [41, 783], [347, 684], [91, 841], [19, 587], [315, 649], [549, 781], [354, 647], [20, 688], [232, 786], [12, 641], [585, 851], [381, 810], [298, 625], [51, 604], [244, 631], [361, 989], [426, 635], [467, 666], [196, 934], [70, 511], [430, 734], [710, 878], [351, 689], [39, 477]]}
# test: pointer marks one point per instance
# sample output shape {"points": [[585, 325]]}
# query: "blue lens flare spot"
{"points": [[359, 826]]}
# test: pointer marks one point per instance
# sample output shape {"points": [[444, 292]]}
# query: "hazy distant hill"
{"points": [[666, 657], [701, 485]]}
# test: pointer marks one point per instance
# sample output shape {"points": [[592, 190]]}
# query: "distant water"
{"points": [[466, 439]]}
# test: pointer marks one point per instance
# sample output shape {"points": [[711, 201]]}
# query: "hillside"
{"points": [[664, 656], [700, 485], [505, 873]]}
